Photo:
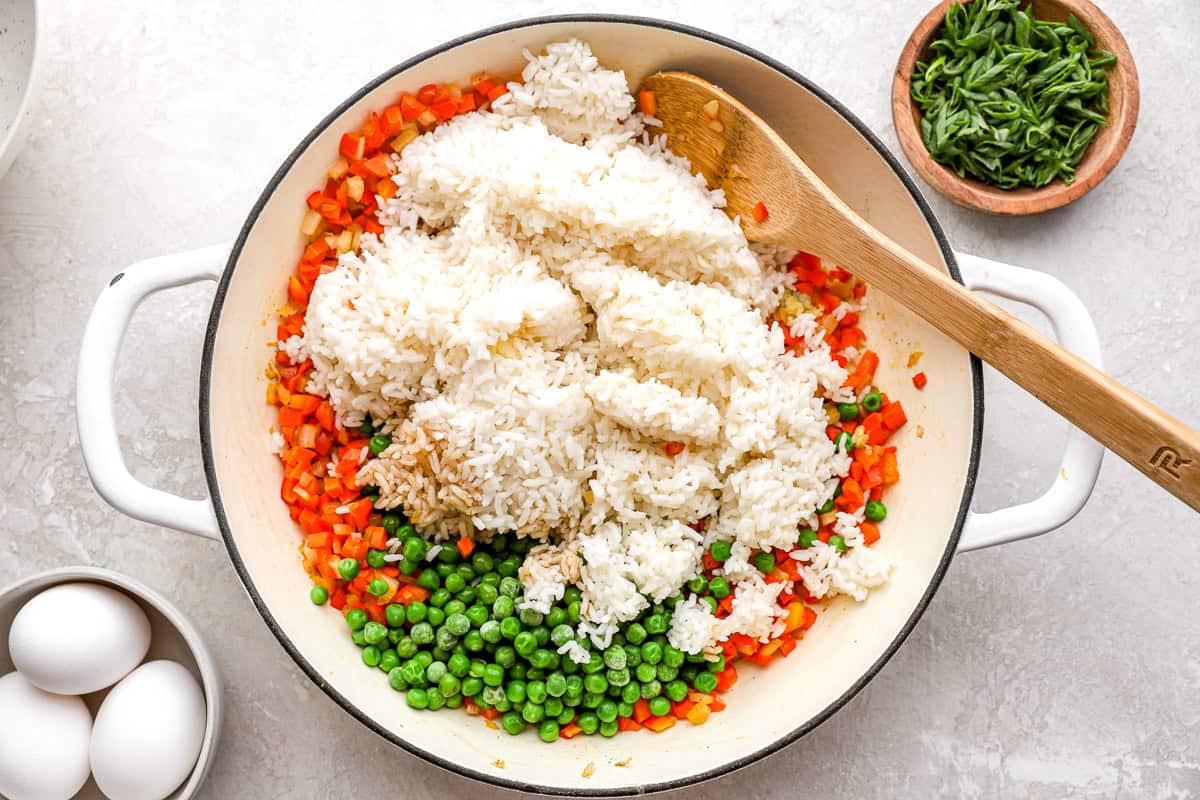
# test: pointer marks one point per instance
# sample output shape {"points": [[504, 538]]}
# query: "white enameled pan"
{"points": [[929, 519]]}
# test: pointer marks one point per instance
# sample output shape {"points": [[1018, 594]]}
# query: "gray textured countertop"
{"points": [[1066, 666]]}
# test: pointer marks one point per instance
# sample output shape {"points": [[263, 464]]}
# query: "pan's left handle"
{"points": [[94, 390]]}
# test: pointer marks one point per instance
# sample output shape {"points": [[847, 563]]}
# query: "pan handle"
{"points": [[94, 390], [1076, 477]]}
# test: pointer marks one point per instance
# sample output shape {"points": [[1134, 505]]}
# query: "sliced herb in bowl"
{"points": [[1009, 99]]}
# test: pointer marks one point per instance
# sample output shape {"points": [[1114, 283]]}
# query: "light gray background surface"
{"points": [[1067, 666]]}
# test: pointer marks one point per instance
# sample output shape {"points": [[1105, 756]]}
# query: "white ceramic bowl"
{"points": [[172, 637], [20, 35], [929, 517]]}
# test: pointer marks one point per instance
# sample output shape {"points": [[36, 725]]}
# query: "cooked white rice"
{"points": [[554, 298]]}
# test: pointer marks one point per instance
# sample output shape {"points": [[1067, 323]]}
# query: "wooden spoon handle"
{"points": [[1162, 447]]}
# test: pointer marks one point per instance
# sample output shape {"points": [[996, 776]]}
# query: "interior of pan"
{"points": [[768, 708]]}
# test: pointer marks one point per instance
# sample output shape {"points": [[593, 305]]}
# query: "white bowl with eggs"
{"points": [[146, 661]]}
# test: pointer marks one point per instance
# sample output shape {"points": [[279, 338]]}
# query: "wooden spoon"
{"points": [[739, 153]]}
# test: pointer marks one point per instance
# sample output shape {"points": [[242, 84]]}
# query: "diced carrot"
{"points": [[360, 512], [410, 593], [386, 188], [427, 93], [355, 547], [317, 541], [810, 618], [776, 576], [660, 724], [877, 432], [673, 448], [324, 416], [290, 418], [296, 291], [795, 617], [726, 678], [410, 107], [393, 120], [306, 436], [863, 371], [444, 108], [496, 93], [893, 416], [870, 532], [465, 546], [745, 645], [316, 251], [919, 380], [647, 102], [789, 644], [852, 496], [374, 612], [759, 212], [641, 710], [681, 709], [873, 478], [570, 731], [891, 471], [766, 652], [375, 537], [352, 146], [373, 134], [628, 724], [378, 166]]}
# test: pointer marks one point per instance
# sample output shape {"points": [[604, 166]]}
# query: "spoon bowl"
{"points": [[780, 200]]}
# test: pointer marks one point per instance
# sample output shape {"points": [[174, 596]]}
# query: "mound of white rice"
{"points": [[554, 299]]}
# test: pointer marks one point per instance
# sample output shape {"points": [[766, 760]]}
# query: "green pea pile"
{"points": [[472, 639]]}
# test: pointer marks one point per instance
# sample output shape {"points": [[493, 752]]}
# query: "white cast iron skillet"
{"points": [[928, 520]]}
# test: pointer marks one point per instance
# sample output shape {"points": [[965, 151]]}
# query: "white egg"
{"points": [[156, 712], [76, 638], [43, 742]]}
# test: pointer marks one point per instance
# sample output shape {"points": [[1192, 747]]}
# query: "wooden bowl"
{"points": [[1102, 154]]}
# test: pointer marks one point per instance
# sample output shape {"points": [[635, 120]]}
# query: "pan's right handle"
{"points": [[94, 390], [1080, 466]]}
